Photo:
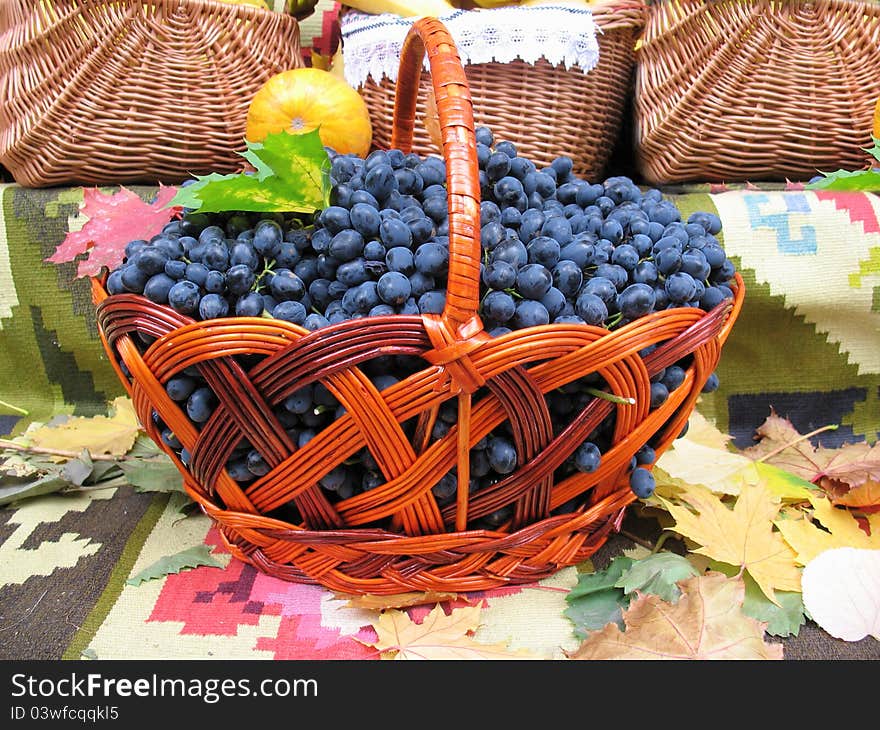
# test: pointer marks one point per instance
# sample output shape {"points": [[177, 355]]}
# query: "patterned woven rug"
{"points": [[807, 344]]}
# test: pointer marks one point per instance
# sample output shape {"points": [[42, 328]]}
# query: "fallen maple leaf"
{"points": [[839, 529], [842, 592], [707, 622], [113, 435], [743, 536], [865, 495], [114, 220], [844, 467], [397, 600], [704, 457], [438, 636]]}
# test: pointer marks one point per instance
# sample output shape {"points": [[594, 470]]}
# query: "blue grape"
{"points": [[501, 454], [200, 404], [393, 288], [498, 306], [184, 297], [587, 457], [212, 306], [642, 483]]}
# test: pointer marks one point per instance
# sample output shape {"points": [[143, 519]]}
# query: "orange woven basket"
{"points": [[104, 92], [733, 91], [396, 537], [545, 110]]}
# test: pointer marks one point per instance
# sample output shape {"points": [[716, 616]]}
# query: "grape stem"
{"points": [[619, 399]]}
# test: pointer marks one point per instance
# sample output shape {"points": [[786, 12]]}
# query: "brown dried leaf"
{"points": [[706, 623], [862, 496], [372, 601], [782, 445]]}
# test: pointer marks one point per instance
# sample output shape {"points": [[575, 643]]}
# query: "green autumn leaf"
{"points": [[13, 489], [855, 181], [783, 620], [657, 574], [595, 601], [193, 557], [292, 174], [149, 469]]}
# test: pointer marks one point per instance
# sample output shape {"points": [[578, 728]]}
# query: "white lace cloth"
{"points": [[562, 34]]}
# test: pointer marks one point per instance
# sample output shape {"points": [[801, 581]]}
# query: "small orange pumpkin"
{"points": [[302, 99]]}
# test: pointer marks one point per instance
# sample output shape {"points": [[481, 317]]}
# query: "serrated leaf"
{"points": [[657, 574], [438, 636], [842, 592], [848, 180], [780, 444], [725, 472], [783, 620], [595, 600], [864, 495], [156, 474], [113, 221], [112, 435], [14, 489], [706, 623], [742, 536], [291, 175], [838, 529], [193, 557]]}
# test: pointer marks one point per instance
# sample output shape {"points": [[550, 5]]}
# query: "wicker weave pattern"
{"points": [[103, 92], [759, 90], [545, 110], [396, 537]]}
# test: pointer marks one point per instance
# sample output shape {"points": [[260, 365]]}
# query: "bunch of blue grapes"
{"points": [[556, 249]]}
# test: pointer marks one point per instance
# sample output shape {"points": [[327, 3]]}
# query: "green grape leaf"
{"points": [[783, 620], [194, 557], [595, 601], [291, 175], [13, 489], [657, 574], [149, 469], [851, 180]]}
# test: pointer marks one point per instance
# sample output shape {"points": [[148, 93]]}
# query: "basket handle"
{"points": [[456, 119]]}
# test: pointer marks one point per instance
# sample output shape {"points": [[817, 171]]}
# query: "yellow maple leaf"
{"points": [[113, 435], [840, 530], [438, 636], [707, 622], [742, 536]]}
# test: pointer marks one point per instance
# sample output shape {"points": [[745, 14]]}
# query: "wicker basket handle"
{"points": [[456, 118]]}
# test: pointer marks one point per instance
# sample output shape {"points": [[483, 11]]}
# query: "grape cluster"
{"points": [[555, 249]]}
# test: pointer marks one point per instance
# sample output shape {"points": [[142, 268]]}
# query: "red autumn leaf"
{"points": [[114, 220]]}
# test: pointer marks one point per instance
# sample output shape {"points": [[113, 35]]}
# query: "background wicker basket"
{"points": [[545, 110], [396, 537], [758, 90], [102, 91]]}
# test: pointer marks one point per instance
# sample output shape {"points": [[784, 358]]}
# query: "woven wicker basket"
{"points": [[396, 537], [545, 110], [103, 91], [732, 91]]}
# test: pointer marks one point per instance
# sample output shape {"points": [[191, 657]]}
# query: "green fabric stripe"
{"points": [[116, 583]]}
